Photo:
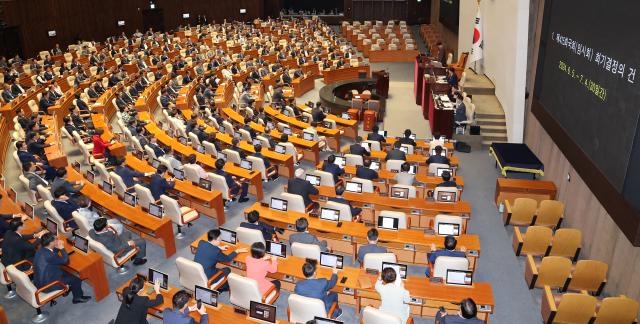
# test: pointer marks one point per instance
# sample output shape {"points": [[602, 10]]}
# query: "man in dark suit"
{"points": [[253, 218], [302, 187], [396, 153], [438, 158], [449, 250], [47, 268], [466, 314], [127, 174], [118, 244], [267, 164], [330, 166], [7, 95], [234, 186], [158, 184], [318, 288], [365, 172], [357, 149], [179, 314], [64, 206], [61, 182], [317, 113], [355, 211], [374, 136], [407, 138], [81, 104], [446, 180], [210, 252], [303, 236], [153, 144], [16, 246], [45, 103]]}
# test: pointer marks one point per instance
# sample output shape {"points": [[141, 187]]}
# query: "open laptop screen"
{"points": [[81, 243], [401, 269], [389, 223], [331, 260], [262, 312], [277, 249], [313, 179], [206, 296], [448, 229], [228, 236], [278, 204], [398, 192], [329, 214], [155, 275], [351, 186], [459, 277]]}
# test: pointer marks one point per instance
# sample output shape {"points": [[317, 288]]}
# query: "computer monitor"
{"points": [[270, 125], [340, 161], [439, 171], [352, 186], [178, 174], [286, 130], [80, 243], [237, 135], [327, 124], [278, 204], [313, 179], [139, 155], [401, 269], [322, 320], [280, 149], [155, 275], [204, 184], [307, 136], [459, 277], [383, 133], [221, 129], [107, 187], [412, 136], [366, 145], [130, 199], [443, 153], [155, 163], [286, 113], [305, 119], [183, 140], [246, 164], [446, 196], [200, 149], [448, 229], [76, 166], [345, 115], [413, 168], [90, 176], [262, 312], [52, 226], [222, 156], [228, 236], [29, 210], [329, 214], [404, 149], [331, 260], [375, 165], [206, 296], [388, 223], [277, 249], [256, 141], [399, 192], [155, 210]]}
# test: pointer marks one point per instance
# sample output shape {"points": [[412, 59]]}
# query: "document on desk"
{"points": [[447, 104], [444, 98]]}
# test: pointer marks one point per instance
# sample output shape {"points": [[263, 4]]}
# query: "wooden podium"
{"points": [[369, 120], [420, 63], [382, 82]]}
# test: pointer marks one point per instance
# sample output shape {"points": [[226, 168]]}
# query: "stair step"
{"points": [[484, 122], [470, 89], [489, 116], [488, 143], [498, 138], [489, 130]]}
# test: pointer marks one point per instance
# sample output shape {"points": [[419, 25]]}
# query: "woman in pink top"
{"points": [[259, 264]]}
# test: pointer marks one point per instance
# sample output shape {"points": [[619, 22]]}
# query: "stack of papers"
{"points": [[444, 98], [447, 105]]}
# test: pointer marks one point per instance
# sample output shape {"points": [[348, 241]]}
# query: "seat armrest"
{"points": [[182, 216], [215, 277], [506, 214], [548, 305], [517, 240], [122, 252], [64, 287], [266, 294], [530, 272], [333, 307]]}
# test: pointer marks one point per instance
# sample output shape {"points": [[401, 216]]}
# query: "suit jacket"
{"points": [[407, 140], [315, 288], [437, 253], [366, 173], [65, 208], [26, 156], [396, 155], [358, 150], [267, 230], [136, 313], [333, 169], [159, 185], [16, 247], [47, 267], [306, 238], [303, 188], [438, 159], [7, 95], [370, 248], [449, 183], [208, 255], [63, 183], [456, 319], [127, 175], [156, 149], [111, 241], [35, 180], [171, 316]]}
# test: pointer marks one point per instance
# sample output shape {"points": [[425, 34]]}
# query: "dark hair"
{"points": [[258, 250], [213, 234], [134, 287], [26, 166], [99, 224], [446, 175], [257, 148], [388, 275], [407, 132], [161, 169], [61, 172], [331, 158], [59, 192], [19, 144], [358, 139], [82, 201], [397, 144], [253, 216], [219, 164], [191, 159], [372, 234], [375, 129], [366, 162], [339, 190], [15, 223], [301, 224], [468, 308], [450, 242], [308, 269], [180, 299], [405, 167], [438, 149], [99, 131], [284, 138], [47, 238]]}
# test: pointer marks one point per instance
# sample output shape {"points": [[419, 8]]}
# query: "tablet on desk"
{"points": [[280, 149], [340, 161], [382, 132], [447, 196], [52, 226], [228, 236], [205, 184], [445, 229], [155, 163], [237, 135], [206, 296], [155, 275], [388, 223], [444, 152], [256, 141], [459, 277], [313, 179], [439, 171], [366, 145], [355, 187], [331, 260], [222, 156], [401, 269], [286, 130], [329, 214], [413, 168], [264, 313], [305, 119], [29, 210], [90, 176], [155, 210], [404, 149], [107, 187], [375, 165], [277, 249], [76, 166], [399, 192], [246, 164], [183, 140], [130, 199], [178, 174], [307, 136], [81, 244], [200, 149], [345, 116], [278, 204]]}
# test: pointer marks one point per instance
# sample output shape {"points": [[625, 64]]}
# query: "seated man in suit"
{"points": [[191, 162], [60, 182], [404, 177], [449, 250], [270, 169], [158, 184], [357, 149], [330, 166], [372, 247], [253, 222], [318, 288], [396, 153], [407, 138], [29, 171], [446, 180], [355, 211], [438, 158], [364, 171], [317, 113], [17, 246], [157, 150], [128, 175], [300, 186], [303, 236], [91, 215], [375, 136], [47, 268], [179, 314], [210, 252], [65, 207], [466, 315], [234, 186], [122, 243]]}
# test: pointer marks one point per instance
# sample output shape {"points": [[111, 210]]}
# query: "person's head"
{"points": [[258, 250], [468, 308], [438, 149], [405, 167], [407, 133], [372, 236], [446, 175], [375, 129], [219, 164], [452, 71], [20, 145], [66, 119], [299, 173], [161, 169], [366, 163], [47, 240], [302, 224], [100, 224], [358, 139], [61, 172], [60, 193], [180, 300], [234, 142], [213, 235], [284, 138], [339, 190], [258, 148], [450, 242], [253, 216], [27, 167], [134, 287], [397, 145], [191, 159], [388, 275], [331, 158], [308, 269], [15, 224]]}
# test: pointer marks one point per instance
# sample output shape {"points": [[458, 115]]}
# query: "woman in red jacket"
{"points": [[100, 146]]}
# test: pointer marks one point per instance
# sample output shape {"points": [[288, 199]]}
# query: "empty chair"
{"points": [[243, 290], [145, 198], [371, 315], [374, 260], [179, 215], [191, 173], [5, 280], [589, 275], [550, 213], [367, 185], [232, 156], [617, 310], [249, 236], [192, 273], [535, 241], [521, 213], [354, 159], [552, 271], [344, 209], [412, 189], [444, 263], [302, 250], [295, 203], [571, 308], [303, 309], [117, 260], [34, 296], [449, 219], [402, 217], [393, 165], [566, 242]]}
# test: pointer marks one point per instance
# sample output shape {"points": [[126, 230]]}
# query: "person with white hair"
{"points": [[302, 187]]}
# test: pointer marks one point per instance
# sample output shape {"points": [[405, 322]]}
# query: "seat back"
{"points": [[291, 149], [53, 213], [450, 219], [615, 310], [232, 156], [438, 190], [83, 224], [258, 165], [120, 187], [191, 173], [107, 255], [195, 141], [566, 242], [345, 210], [408, 147], [393, 165], [371, 315], [294, 202], [374, 260], [589, 275], [536, 240], [191, 273], [219, 183], [44, 193], [303, 309], [444, 263], [24, 287], [210, 148], [326, 178], [367, 185], [246, 136], [523, 210], [412, 189], [549, 213], [353, 159], [402, 217], [243, 290], [553, 271], [172, 209], [145, 198], [433, 167], [303, 250], [249, 236], [103, 173], [575, 308]]}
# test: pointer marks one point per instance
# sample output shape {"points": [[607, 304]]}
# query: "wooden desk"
{"points": [[303, 85], [392, 56], [349, 126], [345, 73], [332, 135], [510, 189], [387, 177]]}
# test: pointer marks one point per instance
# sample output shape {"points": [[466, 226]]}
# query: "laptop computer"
{"points": [[200, 149], [439, 171], [388, 223], [367, 146], [447, 196], [329, 214], [280, 149], [398, 192], [155, 275], [76, 166], [345, 116], [375, 165], [443, 153], [81, 244], [382, 132], [204, 184], [307, 136], [413, 168], [246, 164], [130, 199], [256, 141], [448, 229], [155, 210], [313, 179], [340, 161], [52, 226], [352, 186], [404, 149], [206, 296], [277, 249], [331, 260], [228, 236], [286, 130], [178, 174], [278, 204], [459, 277], [262, 312], [401, 269], [90, 176], [327, 124], [107, 187], [305, 119]]}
